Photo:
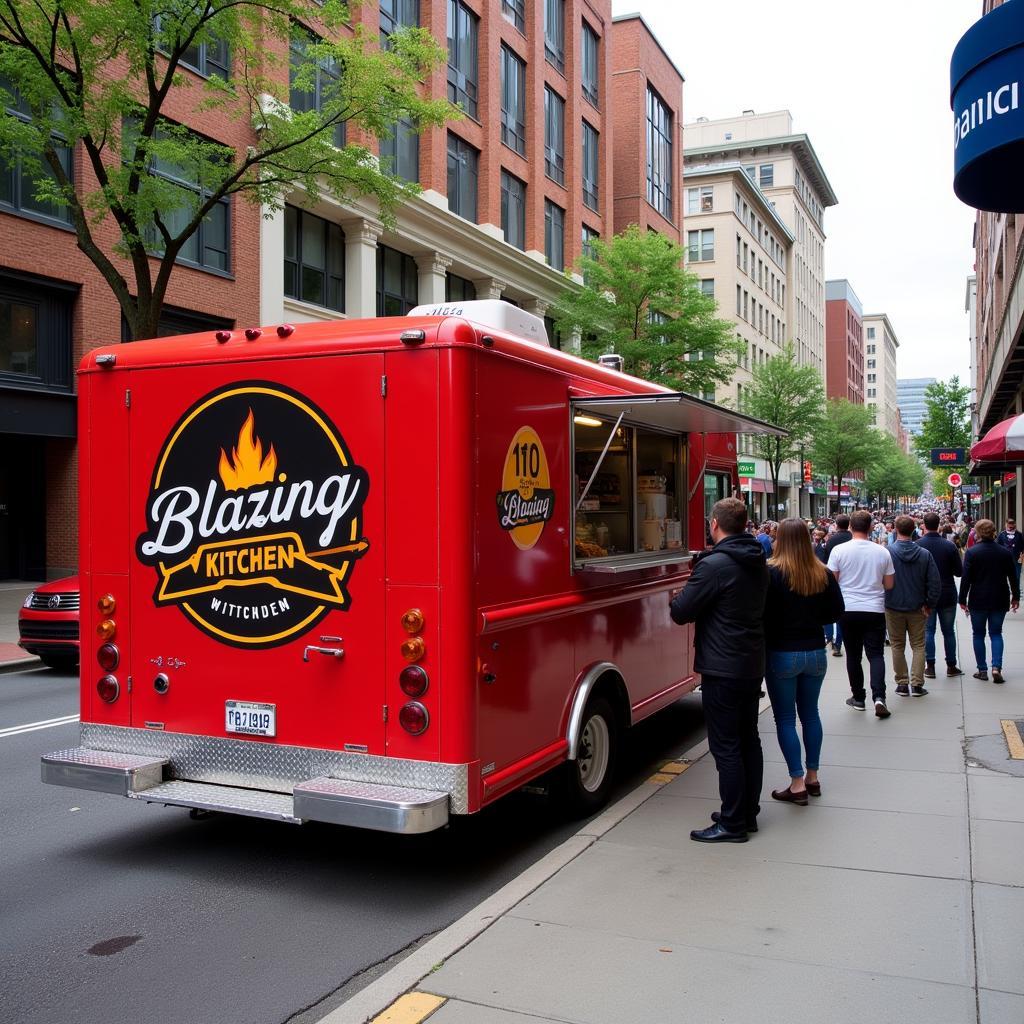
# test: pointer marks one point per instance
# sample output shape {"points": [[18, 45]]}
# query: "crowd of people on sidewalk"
{"points": [[767, 604]]}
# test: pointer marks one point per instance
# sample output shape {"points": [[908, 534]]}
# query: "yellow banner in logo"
{"points": [[526, 501]]}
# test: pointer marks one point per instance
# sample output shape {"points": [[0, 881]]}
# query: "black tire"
{"points": [[582, 787], [60, 662]]}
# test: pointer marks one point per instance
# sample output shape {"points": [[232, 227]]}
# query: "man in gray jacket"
{"points": [[914, 594]]}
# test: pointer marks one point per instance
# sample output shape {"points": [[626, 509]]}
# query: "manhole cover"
{"points": [[1013, 730]]}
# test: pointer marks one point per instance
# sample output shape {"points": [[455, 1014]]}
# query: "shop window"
{"points": [[35, 335], [397, 282], [636, 497], [314, 259], [458, 289]]}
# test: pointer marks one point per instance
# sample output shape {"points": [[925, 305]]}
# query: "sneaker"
{"points": [[857, 705], [881, 711], [903, 689], [929, 670], [837, 652], [952, 670], [918, 691]]}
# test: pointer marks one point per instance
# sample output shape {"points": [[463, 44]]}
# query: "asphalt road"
{"points": [[116, 911]]}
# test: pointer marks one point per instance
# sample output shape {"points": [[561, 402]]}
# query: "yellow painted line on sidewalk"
{"points": [[1013, 739], [410, 1009]]}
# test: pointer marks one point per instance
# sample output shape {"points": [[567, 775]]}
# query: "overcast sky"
{"points": [[869, 84]]}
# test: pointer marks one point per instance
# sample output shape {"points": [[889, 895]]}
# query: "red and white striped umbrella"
{"points": [[1004, 441]]}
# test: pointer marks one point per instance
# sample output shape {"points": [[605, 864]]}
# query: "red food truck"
{"points": [[378, 572]]}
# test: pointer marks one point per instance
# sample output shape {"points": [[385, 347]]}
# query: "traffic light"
{"points": [[808, 476]]}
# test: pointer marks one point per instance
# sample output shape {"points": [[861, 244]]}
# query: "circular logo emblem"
{"points": [[54, 601], [526, 501], [254, 516]]}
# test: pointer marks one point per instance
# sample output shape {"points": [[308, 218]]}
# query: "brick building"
{"points": [[844, 342], [511, 193]]}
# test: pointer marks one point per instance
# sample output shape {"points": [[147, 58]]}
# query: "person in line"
{"points": [[908, 606], [864, 572], [764, 538], [988, 589], [842, 535], [802, 596], [947, 561], [820, 546], [1013, 540], [724, 598]]}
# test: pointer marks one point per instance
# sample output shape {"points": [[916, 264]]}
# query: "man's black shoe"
{"points": [[716, 834], [929, 670], [837, 651], [751, 825], [857, 705]]}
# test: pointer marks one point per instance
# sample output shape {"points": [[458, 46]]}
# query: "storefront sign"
{"points": [[970, 489], [949, 457], [746, 467], [987, 97]]}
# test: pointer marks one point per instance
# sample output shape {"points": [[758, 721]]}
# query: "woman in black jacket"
{"points": [[803, 596], [988, 588]]}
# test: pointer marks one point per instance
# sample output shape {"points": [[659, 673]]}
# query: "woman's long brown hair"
{"points": [[794, 557]]}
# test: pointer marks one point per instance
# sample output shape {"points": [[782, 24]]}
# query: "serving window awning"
{"points": [[674, 412]]}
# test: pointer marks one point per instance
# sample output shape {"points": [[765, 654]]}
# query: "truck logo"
{"points": [[526, 500], [254, 516]]}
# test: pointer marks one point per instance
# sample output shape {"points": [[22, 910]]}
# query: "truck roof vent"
{"points": [[493, 313]]}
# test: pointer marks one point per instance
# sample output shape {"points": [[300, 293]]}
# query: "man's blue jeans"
{"points": [[994, 621], [836, 629], [946, 619], [794, 682]]}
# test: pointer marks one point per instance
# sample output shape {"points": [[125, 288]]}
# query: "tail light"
{"points": [[109, 657], [412, 621], [106, 605], [413, 680], [413, 718], [108, 688], [414, 649], [106, 629]]}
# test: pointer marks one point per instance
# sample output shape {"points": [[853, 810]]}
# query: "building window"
{"points": [[513, 210], [515, 11], [35, 336], [397, 282], [463, 28], [871, 378], [210, 58], [767, 172], [554, 136], [314, 259], [700, 245], [209, 246], [463, 161], [589, 64], [18, 186], [588, 236], [554, 235], [554, 33], [700, 200], [871, 332], [707, 286], [590, 166], [659, 155], [397, 14], [323, 95], [458, 289], [513, 101], [400, 151], [871, 364]]}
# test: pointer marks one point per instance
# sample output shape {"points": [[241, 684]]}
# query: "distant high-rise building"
{"points": [[880, 344], [910, 398], [844, 342]]}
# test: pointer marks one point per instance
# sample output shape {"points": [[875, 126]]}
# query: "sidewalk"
{"points": [[12, 594], [898, 896]]}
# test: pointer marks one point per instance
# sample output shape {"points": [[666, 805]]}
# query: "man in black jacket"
{"points": [[947, 560], [724, 598]]}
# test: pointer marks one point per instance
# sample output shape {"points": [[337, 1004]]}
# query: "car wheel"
{"points": [[61, 662], [584, 785]]}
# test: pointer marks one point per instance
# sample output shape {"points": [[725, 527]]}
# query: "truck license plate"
{"points": [[250, 718]]}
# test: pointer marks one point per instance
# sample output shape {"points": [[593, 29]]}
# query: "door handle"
{"points": [[332, 652]]}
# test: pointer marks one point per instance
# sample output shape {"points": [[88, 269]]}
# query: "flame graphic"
{"points": [[247, 465]]}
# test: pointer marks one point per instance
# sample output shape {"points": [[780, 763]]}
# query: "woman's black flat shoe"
{"points": [[787, 796]]}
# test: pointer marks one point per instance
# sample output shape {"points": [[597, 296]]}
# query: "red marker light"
{"points": [[285, 331], [252, 333], [223, 336], [108, 689], [413, 681], [414, 718], [109, 657]]}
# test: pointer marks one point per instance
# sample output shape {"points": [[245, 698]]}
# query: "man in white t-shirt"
{"points": [[865, 572]]}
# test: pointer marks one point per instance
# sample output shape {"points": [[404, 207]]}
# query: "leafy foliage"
{"points": [[789, 396], [109, 77], [845, 439], [640, 302], [893, 473], [947, 422]]}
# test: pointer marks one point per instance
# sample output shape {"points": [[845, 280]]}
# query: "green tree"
{"points": [[640, 302], [947, 421], [789, 396], [844, 440], [892, 473], [104, 76]]}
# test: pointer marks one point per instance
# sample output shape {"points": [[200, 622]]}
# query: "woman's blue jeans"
{"points": [[994, 622], [794, 681]]}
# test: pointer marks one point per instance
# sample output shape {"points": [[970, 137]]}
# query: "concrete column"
{"points": [[361, 267], [432, 268], [538, 307], [489, 287], [272, 268]]}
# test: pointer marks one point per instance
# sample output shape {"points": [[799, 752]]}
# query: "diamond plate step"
{"points": [[102, 771], [369, 805], [253, 803]]}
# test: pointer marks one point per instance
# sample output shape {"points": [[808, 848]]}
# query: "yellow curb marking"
{"points": [[1013, 739], [410, 1009], [674, 768], [659, 778]]}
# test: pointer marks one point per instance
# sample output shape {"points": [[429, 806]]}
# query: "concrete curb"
{"points": [[380, 994], [29, 661]]}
